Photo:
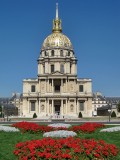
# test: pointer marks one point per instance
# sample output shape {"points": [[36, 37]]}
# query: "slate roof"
{"points": [[113, 99]]}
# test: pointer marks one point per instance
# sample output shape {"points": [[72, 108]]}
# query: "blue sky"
{"points": [[93, 27]]}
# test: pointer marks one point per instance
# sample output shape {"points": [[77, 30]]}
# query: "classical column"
{"points": [[39, 107], [46, 104], [46, 81], [66, 106], [52, 87], [67, 85], [61, 107], [85, 106], [48, 86], [52, 107], [61, 85], [28, 106], [40, 85], [76, 106]]}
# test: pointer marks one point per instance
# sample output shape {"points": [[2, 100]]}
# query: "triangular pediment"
{"points": [[57, 73]]}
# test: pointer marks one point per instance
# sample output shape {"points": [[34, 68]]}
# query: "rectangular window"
{"points": [[52, 68], [33, 88], [33, 106], [52, 53], [61, 53], [62, 68], [57, 88], [81, 106], [68, 53], [81, 88]]}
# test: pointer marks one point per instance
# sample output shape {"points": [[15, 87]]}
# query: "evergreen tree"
{"points": [[80, 115], [113, 114], [34, 115]]}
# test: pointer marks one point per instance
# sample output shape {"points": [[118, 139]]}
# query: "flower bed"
{"points": [[60, 125], [34, 128], [112, 129], [87, 127], [60, 133], [8, 129], [65, 148]]}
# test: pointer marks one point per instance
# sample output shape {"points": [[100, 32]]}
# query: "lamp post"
{"points": [[2, 112], [109, 110], [7, 110]]}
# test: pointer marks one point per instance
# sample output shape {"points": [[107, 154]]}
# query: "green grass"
{"points": [[9, 140]]}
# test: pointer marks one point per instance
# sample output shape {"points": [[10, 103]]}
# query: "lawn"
{"points": [[9, 140]]}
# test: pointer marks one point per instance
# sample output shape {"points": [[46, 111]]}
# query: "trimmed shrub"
{"points": [[113, 114], [80, 115], [34, 115]]}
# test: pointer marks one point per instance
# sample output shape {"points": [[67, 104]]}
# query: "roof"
{"points": [[16, 96], [101, 98], [113, 100], [104, 107], [4, 100]]}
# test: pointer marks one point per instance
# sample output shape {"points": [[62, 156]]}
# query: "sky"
{"points": [[93, 26]]}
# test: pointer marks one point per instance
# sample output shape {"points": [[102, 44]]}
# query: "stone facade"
{"points": [[57, 90]]}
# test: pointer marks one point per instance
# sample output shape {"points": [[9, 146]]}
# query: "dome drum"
{"points": [[57, 53]]}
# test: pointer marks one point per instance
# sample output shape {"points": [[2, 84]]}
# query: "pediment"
{"points": [[57, 73]]}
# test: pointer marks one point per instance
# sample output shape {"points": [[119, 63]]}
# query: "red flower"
{"points": [[65, 148], [87, 127]]}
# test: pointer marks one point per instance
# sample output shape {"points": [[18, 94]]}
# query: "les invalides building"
{"points": [[57, 90]]}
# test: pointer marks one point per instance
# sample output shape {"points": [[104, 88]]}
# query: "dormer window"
{"points": [[61, 53], [52, 53]]}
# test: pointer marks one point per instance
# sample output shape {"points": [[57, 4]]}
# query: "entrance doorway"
{"points": [[57, 109], [57, 105]]}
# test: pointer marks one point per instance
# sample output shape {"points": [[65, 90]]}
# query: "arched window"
{"points": [[45, 53], [62, 68], [61, 53], [33, 88], [52, 53], [68, 53]]}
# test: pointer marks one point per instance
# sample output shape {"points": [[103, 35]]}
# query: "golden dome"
{"points": [[57, 39]]}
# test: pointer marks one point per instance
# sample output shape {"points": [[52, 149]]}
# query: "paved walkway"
{"points": [[77, 121]]}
